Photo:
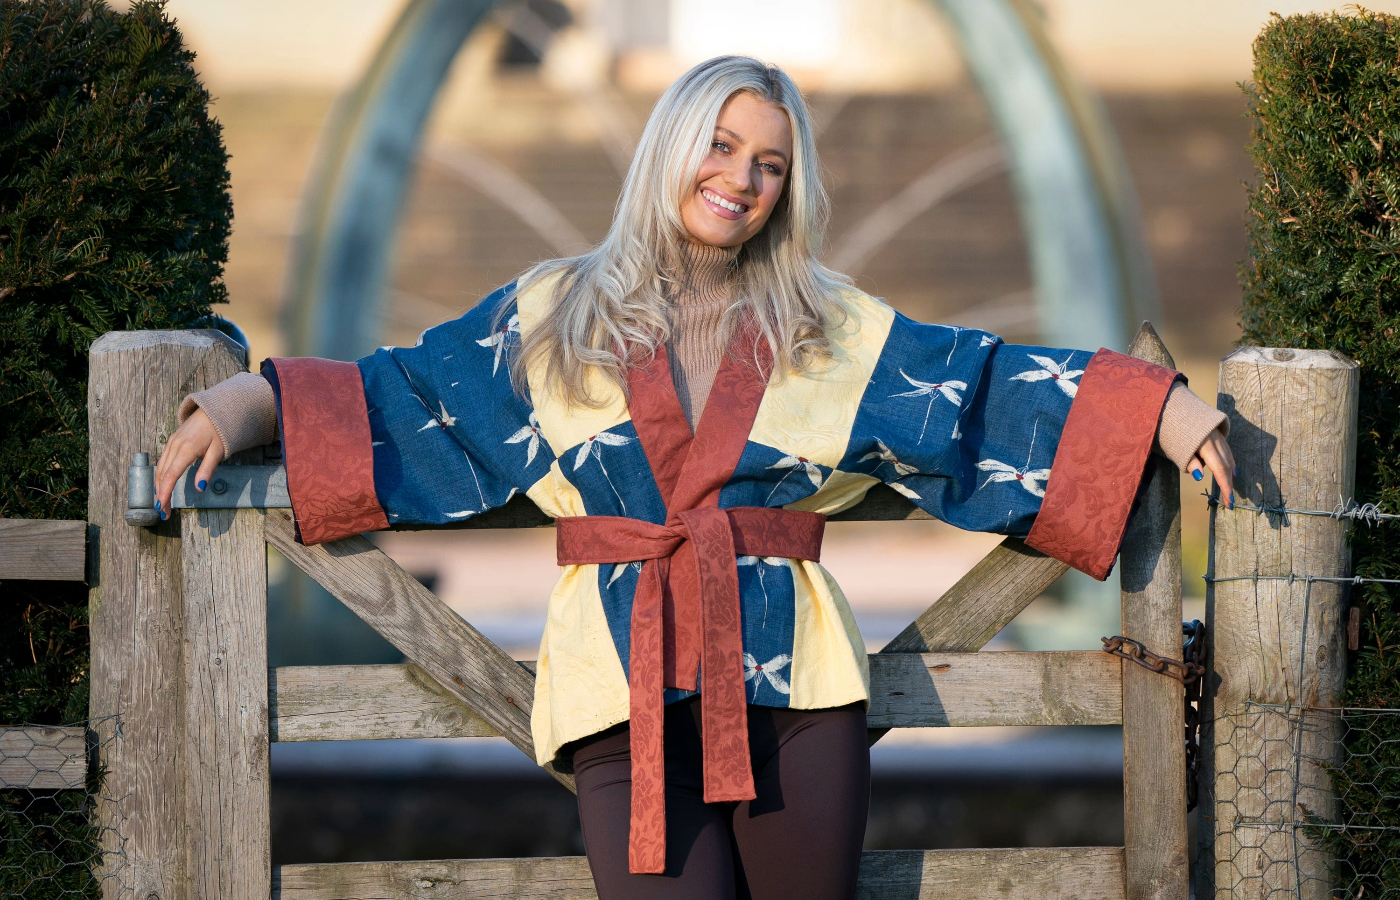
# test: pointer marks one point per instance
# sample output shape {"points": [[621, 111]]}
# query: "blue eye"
{"points": [[719, 145]]}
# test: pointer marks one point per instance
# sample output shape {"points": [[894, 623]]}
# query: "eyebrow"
{"points": [[778, 153]]}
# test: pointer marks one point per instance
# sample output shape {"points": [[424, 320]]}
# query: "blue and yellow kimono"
{"points": [[1044, 444]]}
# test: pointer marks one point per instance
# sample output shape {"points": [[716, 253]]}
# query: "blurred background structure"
{"points": [[521, 159]]}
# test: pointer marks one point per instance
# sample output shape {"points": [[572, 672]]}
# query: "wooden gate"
{"points": [[186, 705]]}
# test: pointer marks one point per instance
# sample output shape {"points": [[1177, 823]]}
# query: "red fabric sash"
{"points": [[685, 613]]}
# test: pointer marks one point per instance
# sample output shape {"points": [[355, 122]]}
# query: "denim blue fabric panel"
{"points": [[612, 474], [451, 436], [963, 424], [769, 477], [768, 609], [766, 597]]}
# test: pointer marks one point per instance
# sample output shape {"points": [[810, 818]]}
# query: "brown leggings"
{"points": [[800, 837]]}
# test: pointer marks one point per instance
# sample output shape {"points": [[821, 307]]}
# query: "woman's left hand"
{"points": [[1215, 455]]}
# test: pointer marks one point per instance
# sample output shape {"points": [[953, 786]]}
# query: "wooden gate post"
{"points": [[179, 653], [1278, 648], [1154, 754]]}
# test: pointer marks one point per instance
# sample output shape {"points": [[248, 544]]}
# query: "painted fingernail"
{"points": [[157, 506], [203, 483], [164, 515], [1237, 470], [1232, 499], [1197, 474]]}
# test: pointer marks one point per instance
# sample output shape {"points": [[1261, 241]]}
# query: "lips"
{"points": [[722, 205]]}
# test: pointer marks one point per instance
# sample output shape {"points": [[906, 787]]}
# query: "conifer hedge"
{"points": [[1324, 273], [114, 215]]}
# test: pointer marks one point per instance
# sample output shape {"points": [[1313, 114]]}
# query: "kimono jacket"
{"points": [[691, 563]]}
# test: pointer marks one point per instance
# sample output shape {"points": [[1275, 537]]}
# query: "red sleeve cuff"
{"points": [[1100, 461], [326, 447]]}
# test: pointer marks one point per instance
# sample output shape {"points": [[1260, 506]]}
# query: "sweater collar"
{"points": [[704, 272]]}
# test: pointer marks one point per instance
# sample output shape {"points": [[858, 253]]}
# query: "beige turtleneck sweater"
{"points": [[243, 409]]}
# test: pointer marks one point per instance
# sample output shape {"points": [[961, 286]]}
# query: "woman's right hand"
{"points": [[196, 439]]}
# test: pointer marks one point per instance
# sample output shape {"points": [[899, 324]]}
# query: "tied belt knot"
{"points": [[687, 627]]}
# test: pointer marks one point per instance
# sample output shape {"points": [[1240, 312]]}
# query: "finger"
{"points": [[212, 457], [173, 463], [1224, 475]]}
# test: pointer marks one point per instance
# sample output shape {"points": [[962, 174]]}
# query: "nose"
{"points": [[739, 174]]}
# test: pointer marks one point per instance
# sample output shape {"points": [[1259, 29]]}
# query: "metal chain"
{"points": [[1184, 672], [1193, 652], [1188, 671]]}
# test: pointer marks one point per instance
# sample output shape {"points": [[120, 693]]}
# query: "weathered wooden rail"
{"points": [[184, 706]]}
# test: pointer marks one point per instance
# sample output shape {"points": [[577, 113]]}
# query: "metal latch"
{"points": [[230, 487]]}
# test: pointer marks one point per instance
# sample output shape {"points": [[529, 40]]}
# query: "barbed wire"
{"points": [[1292, 578], [1369, 513]]}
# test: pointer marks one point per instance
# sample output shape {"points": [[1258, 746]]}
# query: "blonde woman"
{"points": [[689, 400]]}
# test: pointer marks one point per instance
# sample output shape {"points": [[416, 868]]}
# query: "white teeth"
{"points": [[720, 201]]}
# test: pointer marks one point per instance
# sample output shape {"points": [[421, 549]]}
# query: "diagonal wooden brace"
{"points": [[458, 657]]}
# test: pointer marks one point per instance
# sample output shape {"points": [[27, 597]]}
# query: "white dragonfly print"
{"points": [[1032, 480], [758, 672], [439, 421], [796, 464], [1057, 372], [497, 340], [949, 390], [620, 569], [759, 562], [591, 448], [531, 435], [887, 457]]}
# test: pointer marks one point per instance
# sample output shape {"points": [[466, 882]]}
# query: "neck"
{"points": [[704, 271]]}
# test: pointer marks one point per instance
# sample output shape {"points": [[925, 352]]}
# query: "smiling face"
{"points": [[742, 177]]}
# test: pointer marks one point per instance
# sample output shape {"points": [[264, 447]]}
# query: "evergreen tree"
{"points": [[1324, 259]]}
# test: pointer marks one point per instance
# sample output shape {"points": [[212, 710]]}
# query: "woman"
{"points": [[689, 400]]}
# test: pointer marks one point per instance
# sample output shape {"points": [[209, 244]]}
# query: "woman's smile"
{"points": [[722, 204]]}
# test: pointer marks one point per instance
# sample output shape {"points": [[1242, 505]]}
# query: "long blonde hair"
{"points": [[609, 308]]}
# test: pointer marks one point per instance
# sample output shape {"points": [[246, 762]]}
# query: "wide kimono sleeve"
{"points": [[1045, 444], [429, 435]]}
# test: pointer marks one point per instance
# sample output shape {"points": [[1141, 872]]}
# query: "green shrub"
{"points": [[1324, 258], [114, 214]]}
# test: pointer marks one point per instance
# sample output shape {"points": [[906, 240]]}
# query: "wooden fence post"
{"points": [[179, 683], [1278, 650], [1154, 754]]}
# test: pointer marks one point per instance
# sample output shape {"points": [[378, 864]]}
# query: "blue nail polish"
{"points": [[202, 484], [164, 515], [1197, 474], [1237, 470], [157, 506], [1232, 499]]}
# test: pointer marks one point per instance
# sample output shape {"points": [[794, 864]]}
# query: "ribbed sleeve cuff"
{"points": [[242, 409], [1186, 422]]}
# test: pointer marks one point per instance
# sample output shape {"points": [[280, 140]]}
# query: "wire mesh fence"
{"points": [[53, 841], [1301, 799]]}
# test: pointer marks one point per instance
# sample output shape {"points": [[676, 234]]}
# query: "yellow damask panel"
{"points": [[580, 687], [555, 495], [829, 664], [810, 414]]}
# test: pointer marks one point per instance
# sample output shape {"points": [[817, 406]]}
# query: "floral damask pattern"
{"points": [[1100, 461]]}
